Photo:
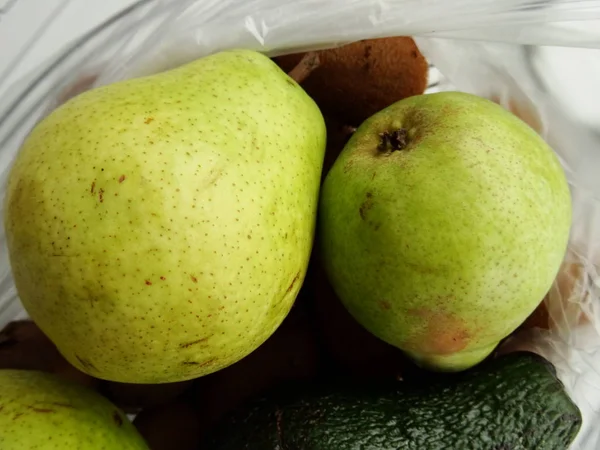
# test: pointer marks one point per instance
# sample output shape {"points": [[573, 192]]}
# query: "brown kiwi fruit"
{"points": [[524, 110], [356, 80], [350, 348], [132, 397], [24, 346], [568, 290], [78, 86], [337, 136], [172, 426], [537, 319], [290, 355]]}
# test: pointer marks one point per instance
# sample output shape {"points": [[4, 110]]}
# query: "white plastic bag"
{"points": [[487, 47]]}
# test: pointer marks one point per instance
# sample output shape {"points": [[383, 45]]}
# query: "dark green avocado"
{"points": [[514, 402]]}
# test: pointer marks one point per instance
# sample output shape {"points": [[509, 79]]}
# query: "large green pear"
{"points": [[159, 228], [43, 412], [443, 224]]}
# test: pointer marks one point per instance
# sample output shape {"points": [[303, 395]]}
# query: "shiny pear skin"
{"points": [[43, 412], [443, 224], [160, 228]]}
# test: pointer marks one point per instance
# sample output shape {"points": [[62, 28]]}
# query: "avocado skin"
{"points": [[514, 402]]}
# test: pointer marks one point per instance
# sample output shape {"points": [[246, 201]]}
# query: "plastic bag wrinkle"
{"points": [[478, 46]]}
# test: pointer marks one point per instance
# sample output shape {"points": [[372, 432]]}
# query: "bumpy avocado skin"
{"points": [[510, 403]]}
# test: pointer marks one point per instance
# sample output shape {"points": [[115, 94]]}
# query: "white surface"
{"points": [[31, 31], [572, 75]]}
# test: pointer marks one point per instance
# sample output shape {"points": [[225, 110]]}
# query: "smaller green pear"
{"points": [[40, 411], [443, 224]]}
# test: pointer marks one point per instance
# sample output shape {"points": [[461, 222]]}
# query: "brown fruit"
{"points": [[349, 345], [132, 397], [562, 305], [337, 135], [537, 319], [24, 346], [354, 81], [569, 292], [290, 354], [174, 426], [79, 85], [523, 109]]}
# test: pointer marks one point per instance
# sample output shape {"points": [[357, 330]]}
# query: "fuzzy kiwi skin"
{"points": [[356, 80]]}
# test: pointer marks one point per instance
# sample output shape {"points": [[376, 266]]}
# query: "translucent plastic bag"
{"points": [[488, 47]]}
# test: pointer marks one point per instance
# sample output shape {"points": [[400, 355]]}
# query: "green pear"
{"points": [[159, 228], [443, 224], [40, 411]]}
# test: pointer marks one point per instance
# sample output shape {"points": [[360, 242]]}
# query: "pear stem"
{"points": [[309, 62], [392, 141]]}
